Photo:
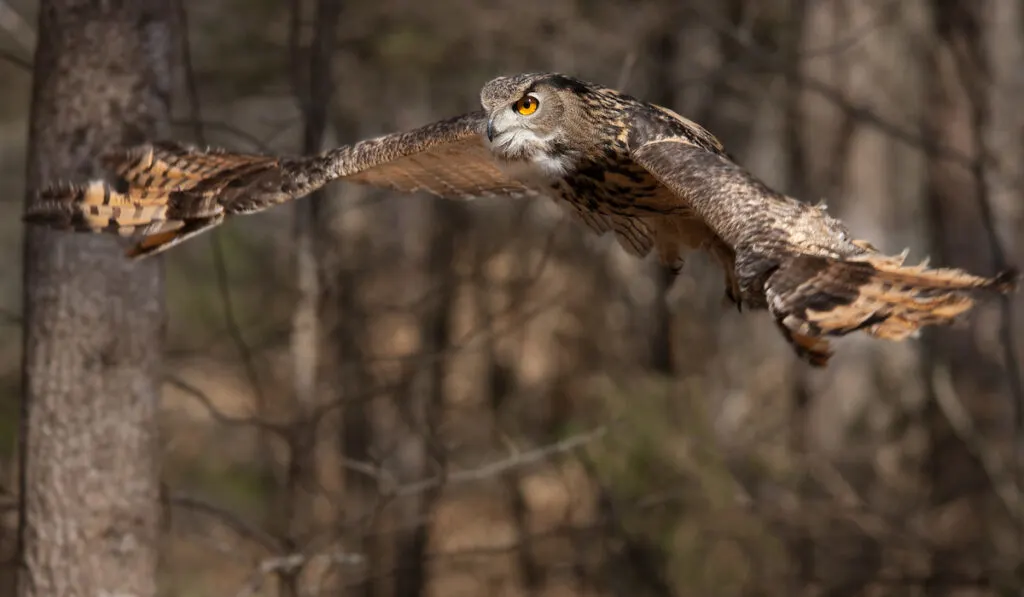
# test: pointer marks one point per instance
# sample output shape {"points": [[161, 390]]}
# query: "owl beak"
{"points": [[490, 129]]}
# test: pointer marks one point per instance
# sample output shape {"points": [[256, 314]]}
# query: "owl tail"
{"points": [[98, 207], [813, 298]]}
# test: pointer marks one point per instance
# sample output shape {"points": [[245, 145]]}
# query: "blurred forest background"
{"points": [[370, 394]]}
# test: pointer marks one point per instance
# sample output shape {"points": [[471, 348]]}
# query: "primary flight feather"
{"points": [[654, 179]]}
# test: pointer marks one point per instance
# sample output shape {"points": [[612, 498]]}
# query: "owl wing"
{"points": [[447, 158], [167, 192], [796, 260]]}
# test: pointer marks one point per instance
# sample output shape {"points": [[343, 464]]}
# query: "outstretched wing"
{"points": [[169, 191], [801, 263], [447, 158], [815, 297]]}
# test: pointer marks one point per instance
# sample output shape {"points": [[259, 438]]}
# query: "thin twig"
{"points": [[292, 564], [992, 462], [191, 87], [768, 59], [11, 318], [231, 320], [16, 27], [219, 263], [494, 469], [219, 416], [22, 63], [231, 520]]}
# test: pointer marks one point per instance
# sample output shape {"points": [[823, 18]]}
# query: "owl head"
{"points": [[538, 119]]}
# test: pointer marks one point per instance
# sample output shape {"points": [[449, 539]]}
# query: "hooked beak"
{"points": [[490, 129]]}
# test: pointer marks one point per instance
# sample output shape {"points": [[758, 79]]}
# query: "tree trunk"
{"points": [[301, 482], [961, 495], [664, 46], [426, 401], [93, 320]]}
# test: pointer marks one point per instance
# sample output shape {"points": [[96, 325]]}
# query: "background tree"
{"points": [[93, 332]]}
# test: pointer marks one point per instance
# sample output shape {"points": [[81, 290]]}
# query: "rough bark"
{"points": [[93, 320]]}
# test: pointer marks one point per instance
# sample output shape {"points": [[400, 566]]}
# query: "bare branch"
{"points": [[17, 28], [292, 564], [231, 320], [218, 415], [11, 318], [992, 462], [494, 469], [220, 267], [196, 117], [15, 60], [766, 58], [240, 526]]}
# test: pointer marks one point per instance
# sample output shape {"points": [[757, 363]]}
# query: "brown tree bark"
{"points": [[301, 484], [93, 320]]}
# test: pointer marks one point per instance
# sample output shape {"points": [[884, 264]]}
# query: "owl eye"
{"points": [[527, 105]]}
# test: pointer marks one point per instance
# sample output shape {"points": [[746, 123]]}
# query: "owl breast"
{"points": [[540, 171], [618, 187]]}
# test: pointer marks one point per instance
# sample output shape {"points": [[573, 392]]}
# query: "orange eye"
{"points": [[527, 105]]}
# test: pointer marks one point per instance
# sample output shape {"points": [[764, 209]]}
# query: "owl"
{"points": [[655, 180]]}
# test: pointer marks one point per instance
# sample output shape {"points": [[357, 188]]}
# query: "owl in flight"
{"points": [[655, 180]]}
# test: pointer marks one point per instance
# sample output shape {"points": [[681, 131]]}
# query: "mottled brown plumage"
{"points": [[654, 179]]}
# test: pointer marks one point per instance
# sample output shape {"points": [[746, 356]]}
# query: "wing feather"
{"points": [[447, 158], [169, 191], [159, 168], [741, 210], [802, 264]]}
